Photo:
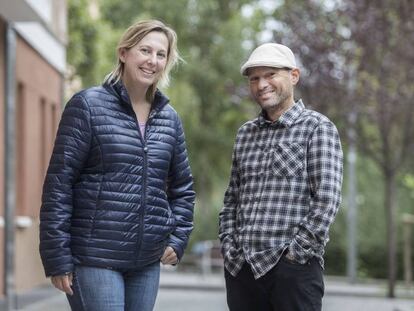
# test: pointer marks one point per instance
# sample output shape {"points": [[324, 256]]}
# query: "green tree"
{"points": [[358, 55], [82, 52], [386, 112], [207, 89]]}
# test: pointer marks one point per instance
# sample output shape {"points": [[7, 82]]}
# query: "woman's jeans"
{"points": [[98, 289]]}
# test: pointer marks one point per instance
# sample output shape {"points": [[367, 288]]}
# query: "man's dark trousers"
{"points": [[288, 286]]}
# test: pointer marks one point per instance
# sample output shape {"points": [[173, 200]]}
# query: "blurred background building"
{"points": [[33, 38]]}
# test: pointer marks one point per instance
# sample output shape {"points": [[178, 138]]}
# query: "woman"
{"points": [[118, 196]]}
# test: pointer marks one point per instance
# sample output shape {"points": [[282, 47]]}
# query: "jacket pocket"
{"points": [[288, 159]]}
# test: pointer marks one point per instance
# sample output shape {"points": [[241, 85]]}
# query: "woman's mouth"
{"points": [[147, 71]]}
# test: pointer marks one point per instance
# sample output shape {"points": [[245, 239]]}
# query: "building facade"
{"points": [[33, 39]]}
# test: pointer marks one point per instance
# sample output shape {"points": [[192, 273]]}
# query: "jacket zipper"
{"points": [[144, 183]]}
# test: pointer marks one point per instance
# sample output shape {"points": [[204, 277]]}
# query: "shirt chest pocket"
{"points": [[288, 159]]}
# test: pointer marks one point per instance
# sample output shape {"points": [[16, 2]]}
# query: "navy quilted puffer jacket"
{"points": [[111, 197]]}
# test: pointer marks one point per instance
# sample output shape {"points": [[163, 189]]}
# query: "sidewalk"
{"points": [[333, 285], [337, 291]]}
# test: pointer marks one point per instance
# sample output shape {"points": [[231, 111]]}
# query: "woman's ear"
{"points": [[294, 75], [122, 54]]}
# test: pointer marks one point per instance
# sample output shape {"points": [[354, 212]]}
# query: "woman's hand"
{"points": [[169, 257], [63, 283]]}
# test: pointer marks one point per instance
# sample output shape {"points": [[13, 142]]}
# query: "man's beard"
{"points": [[276, 100]]}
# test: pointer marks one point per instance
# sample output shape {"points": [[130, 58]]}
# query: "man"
{"points": [[283, 194]]}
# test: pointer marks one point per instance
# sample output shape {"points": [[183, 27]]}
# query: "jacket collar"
{"points": [[119, 90], [287, 119]]}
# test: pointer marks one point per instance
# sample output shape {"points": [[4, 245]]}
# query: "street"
{"points": [[170, 299], [190, 300], [206, 292]]}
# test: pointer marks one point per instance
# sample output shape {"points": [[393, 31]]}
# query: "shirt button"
{"points": [[145, 149]]}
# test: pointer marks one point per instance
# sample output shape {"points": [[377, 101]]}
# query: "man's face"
{"points": [[272, 87]]}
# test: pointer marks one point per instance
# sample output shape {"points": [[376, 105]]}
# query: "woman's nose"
{"points": [[152, 59]]}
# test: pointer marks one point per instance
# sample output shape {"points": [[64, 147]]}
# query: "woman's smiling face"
{"points": [[145, 62]]}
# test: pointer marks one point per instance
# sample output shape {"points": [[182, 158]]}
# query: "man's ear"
{"points": [[294, 76], [122, 54]]}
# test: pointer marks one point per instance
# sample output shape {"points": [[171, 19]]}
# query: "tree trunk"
{"points": [[390, 207]]}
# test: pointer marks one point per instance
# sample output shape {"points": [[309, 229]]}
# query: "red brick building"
{"points": [[32, 65]]}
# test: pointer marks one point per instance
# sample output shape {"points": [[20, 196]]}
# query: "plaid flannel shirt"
{"points": [[284, 190]]}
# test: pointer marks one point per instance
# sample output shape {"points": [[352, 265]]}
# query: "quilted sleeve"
{"points": [[181, 194], [70, 152]]}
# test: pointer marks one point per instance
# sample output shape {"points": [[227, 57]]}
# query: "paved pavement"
{"points": [[195, 292], [174, 300]]}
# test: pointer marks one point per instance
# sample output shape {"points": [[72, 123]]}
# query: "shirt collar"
{"points": [[287, 119]]}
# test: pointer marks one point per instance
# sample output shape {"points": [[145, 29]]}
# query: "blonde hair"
{"points": [[134, 34]]}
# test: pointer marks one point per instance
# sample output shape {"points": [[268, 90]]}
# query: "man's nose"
{"points": [[262, 83]]}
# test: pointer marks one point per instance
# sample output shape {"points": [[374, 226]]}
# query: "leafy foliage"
{"points": [[354, 55], [207, 89], [82, 50]]}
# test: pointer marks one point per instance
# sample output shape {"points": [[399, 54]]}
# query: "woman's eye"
{"points": [[145, 51], [161, 55]]}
